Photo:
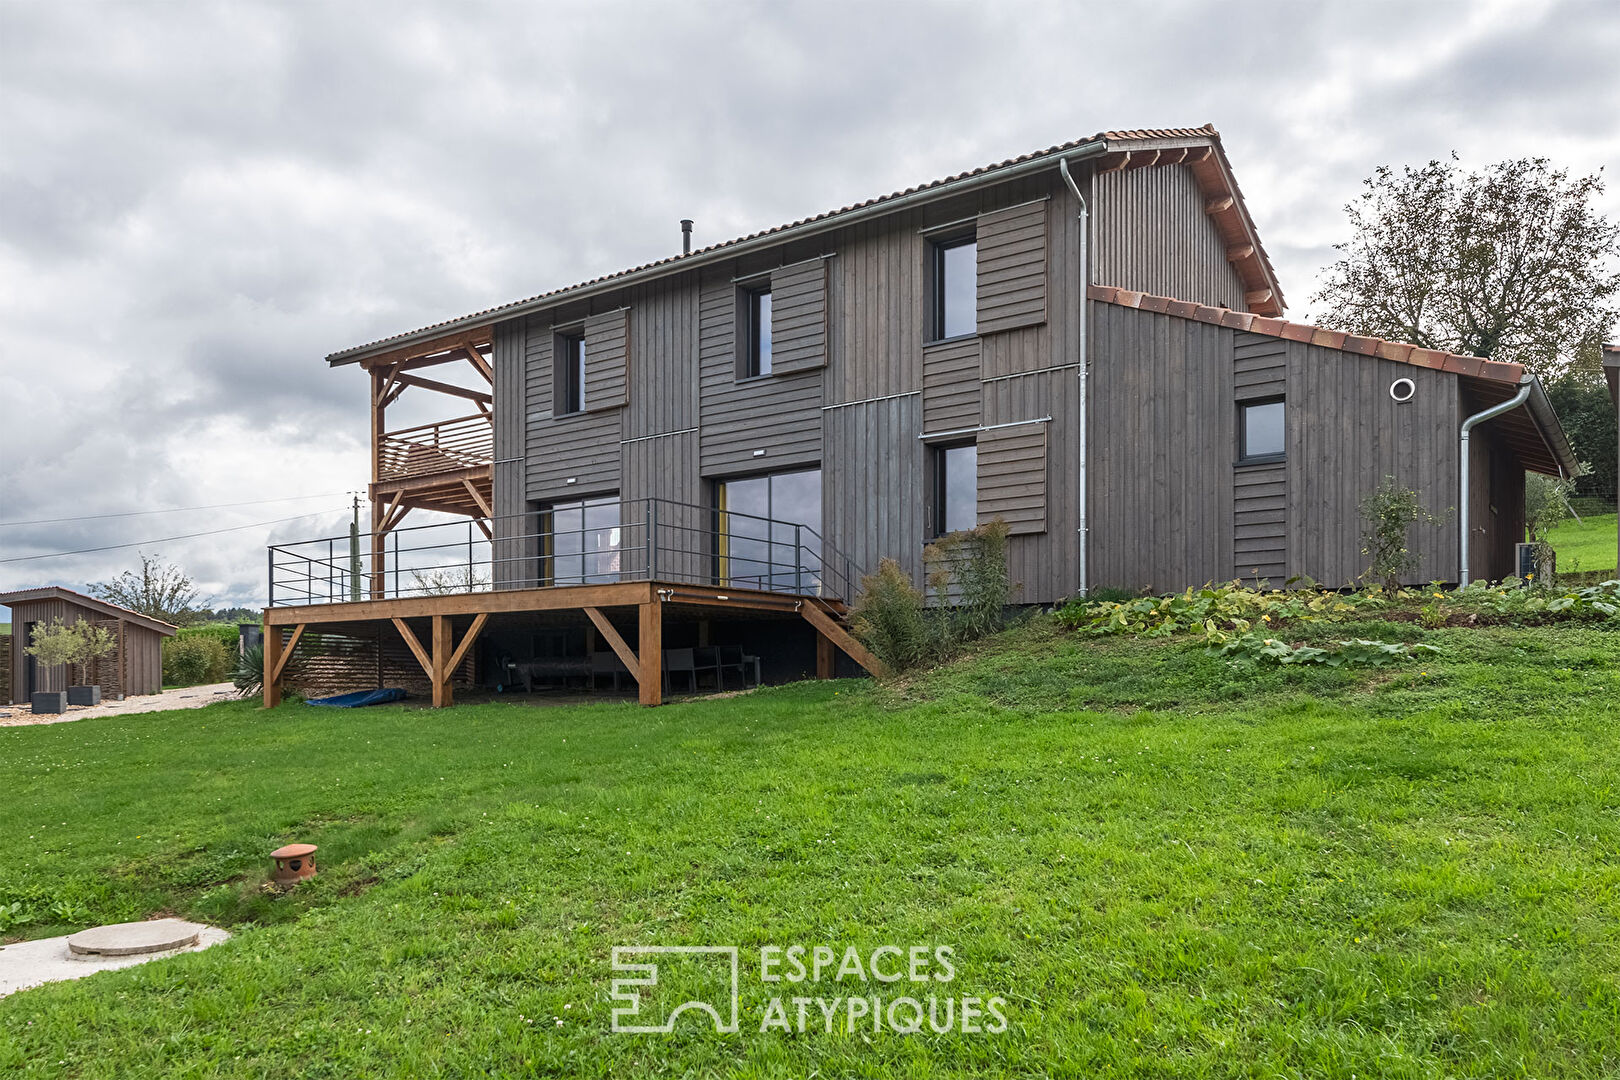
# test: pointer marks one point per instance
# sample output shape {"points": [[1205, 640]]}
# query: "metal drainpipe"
{"points": [[1509, 405], [1084, 360]]}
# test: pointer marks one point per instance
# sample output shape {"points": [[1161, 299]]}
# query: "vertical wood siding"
{"points": [[872, 482], [666, 467], [1012, 267], [951, 386], [1012, 477], [1152, 235], [141, 663], [799, 317], [581, 447], [513, 557], [1345, 435], [607, 360]]}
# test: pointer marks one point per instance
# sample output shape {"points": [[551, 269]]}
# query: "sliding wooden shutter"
{"points": [[607, 361], [1012, 477], [799, 317], [1012, 268]]}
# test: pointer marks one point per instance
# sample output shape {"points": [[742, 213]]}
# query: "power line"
{"points": [[173, 510], [166, 539]]}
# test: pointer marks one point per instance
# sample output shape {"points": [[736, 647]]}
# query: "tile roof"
{"points": [[1104, 138], [1457, 364]]}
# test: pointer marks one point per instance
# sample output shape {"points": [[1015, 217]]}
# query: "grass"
{"points": [[1165, 867], [1587, 546]]}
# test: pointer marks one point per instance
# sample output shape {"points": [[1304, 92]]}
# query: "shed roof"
{"points": [[1118, 149], [54, 592], [1534, 432]]}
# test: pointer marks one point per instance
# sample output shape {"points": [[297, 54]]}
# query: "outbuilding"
{"points": [[134, 667]]}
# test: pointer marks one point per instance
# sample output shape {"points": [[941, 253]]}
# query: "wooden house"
{"points": [[1085, 342], [134, 667]]}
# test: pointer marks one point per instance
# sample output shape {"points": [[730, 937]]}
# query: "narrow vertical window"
{"points": [[759, 334], [1261, 432], [570, 375], [956, 488], [956, 288]]}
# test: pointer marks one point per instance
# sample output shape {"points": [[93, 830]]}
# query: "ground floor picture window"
{"points": [[769, 532], [580, 542]]}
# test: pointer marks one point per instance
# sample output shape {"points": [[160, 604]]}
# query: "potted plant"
{"points": [[52, 645], [94, 643]]}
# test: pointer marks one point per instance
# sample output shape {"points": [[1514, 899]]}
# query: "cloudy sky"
{"points": [[198, 201]]}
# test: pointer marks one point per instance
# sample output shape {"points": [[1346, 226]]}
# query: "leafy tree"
{"points": [[160, 590], [1581, 398], [78, 644], [1512, 262]]}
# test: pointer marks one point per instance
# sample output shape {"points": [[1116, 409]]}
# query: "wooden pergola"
{"points": [[447, 465]]}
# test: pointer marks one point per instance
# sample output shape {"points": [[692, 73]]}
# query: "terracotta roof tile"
{"points": [[1400, 352]]}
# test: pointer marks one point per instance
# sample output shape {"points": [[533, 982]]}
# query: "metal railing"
{"points": [[612, 541], [441, 446]]}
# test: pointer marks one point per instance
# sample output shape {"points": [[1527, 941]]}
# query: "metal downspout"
{"points": [[1525, 385], [1083, 359]]}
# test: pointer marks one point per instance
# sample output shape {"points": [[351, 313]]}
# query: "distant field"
{"points": [[1587, 546]]}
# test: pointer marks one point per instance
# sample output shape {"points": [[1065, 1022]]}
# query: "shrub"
{"points": [[1214, 607], [227, 634], [189, 660], [1389, 514], [891, 618]]}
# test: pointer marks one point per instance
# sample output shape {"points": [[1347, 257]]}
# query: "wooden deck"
{"points": [[442, 652]]}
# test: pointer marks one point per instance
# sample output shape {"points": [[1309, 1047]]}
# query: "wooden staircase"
{"points": [[832, 625]]}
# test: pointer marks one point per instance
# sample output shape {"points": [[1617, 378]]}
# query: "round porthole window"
{"points": [[1402, 389]]}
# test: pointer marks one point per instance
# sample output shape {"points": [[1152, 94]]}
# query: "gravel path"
{"points": [[189, 697]]}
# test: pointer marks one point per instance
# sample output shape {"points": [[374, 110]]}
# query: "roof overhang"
{"points": [[56, 592]]}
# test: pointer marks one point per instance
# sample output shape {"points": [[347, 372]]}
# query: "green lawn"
{"points": [[1587, 546], [1165, 866]]}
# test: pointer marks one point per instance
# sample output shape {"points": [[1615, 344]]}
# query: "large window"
{"points": [[759, 545], [757, 358], [580, 542], [956, 288], [956, 488], [569, 384], [1261, 434]]}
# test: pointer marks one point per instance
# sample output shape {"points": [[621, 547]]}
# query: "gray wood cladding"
{"points": [[1150, 233], [1012, 268], [512, 558], [1260, 366], [666, 467], [799, 317], [1012, 477], [567, 457], [951, 386], [780, 415], [607, 361], [1260, 522], [872, 484]]}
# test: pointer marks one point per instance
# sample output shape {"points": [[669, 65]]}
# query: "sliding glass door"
{"points": [[581, 542], [769, 532]]}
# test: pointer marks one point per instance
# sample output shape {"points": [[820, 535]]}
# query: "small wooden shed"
{"points": [[135, 667]]}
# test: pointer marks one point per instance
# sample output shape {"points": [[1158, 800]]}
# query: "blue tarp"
{"points": [[359, 698]]}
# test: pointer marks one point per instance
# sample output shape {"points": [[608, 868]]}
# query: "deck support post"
{"points": [[650, 652], [824, 656], [272, 664], [842, 638], [440, 675]]}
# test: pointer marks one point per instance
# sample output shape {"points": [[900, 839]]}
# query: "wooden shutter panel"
{"points": [[1012, 477], [607, 361], [799, 317], [1012, 268]]}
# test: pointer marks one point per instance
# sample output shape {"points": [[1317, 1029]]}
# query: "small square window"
{"points": [[1261, 434], [956, 488], [569, 382], [758, 359], [956, 288]]}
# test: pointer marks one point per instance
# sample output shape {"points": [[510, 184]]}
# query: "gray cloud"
{"points": [[199, 200]]}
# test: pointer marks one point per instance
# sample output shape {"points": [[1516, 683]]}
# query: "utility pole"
{"points": [[354, 552]]}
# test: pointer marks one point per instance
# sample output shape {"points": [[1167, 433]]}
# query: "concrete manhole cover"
{"points": [[135, 938]]}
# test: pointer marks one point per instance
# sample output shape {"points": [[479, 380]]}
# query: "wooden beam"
{"points": [[476, 359], [281, 661], [415, 646], [482, 335], [445, 388], [1198, 155], [467, 640], [627, 657], [1218, 205], [272, 664], [483, 527], [1257, 297], [395, 517], [478, 500], [842, 638], [1115, 162], [1239, 252], [442, 695], [824, 656], [650, 643], [1143, 159], [551, 598]]}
